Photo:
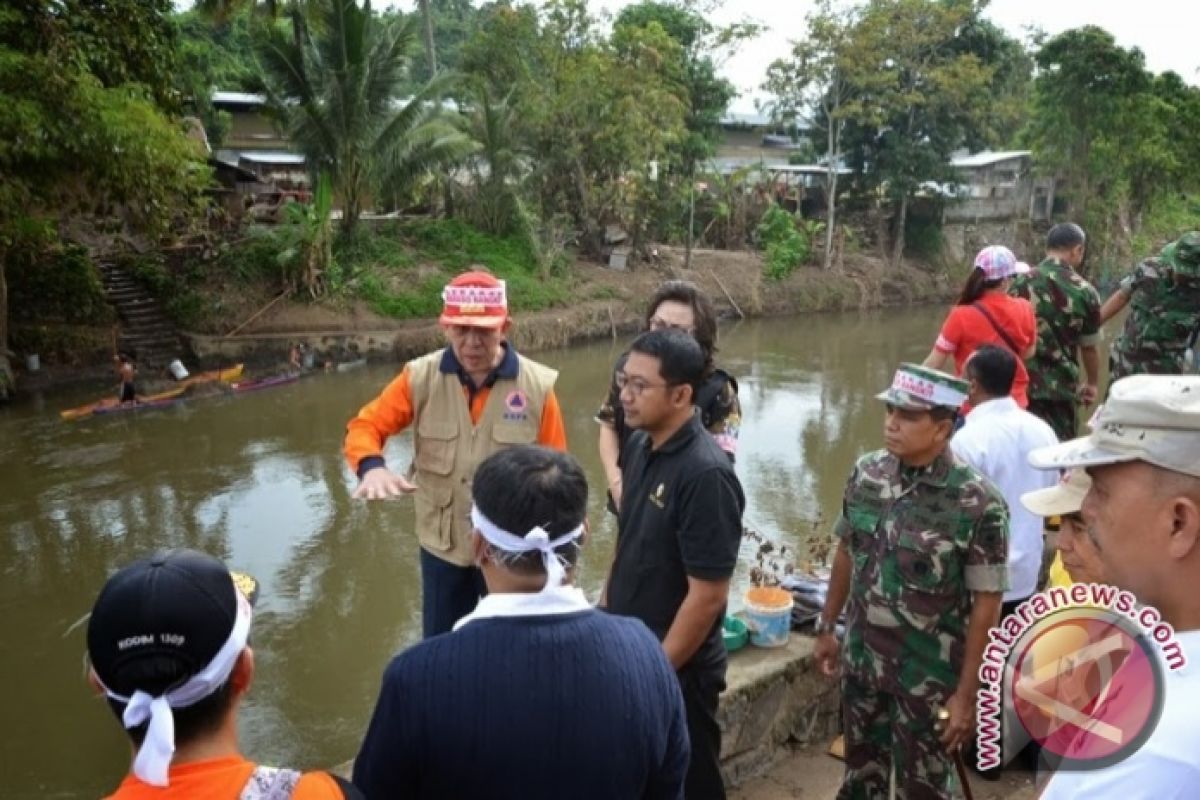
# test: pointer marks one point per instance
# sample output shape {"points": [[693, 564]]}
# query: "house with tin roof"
{"points": [[998, 185]]}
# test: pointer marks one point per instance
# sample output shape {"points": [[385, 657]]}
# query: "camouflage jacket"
{"points": [[921, 540], [1164, 310], [1067, 308]]}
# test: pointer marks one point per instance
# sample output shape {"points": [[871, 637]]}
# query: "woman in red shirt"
{"points": [[986, 314]]}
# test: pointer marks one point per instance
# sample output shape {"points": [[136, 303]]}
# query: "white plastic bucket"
{"points": [[769, 613], [32, 362], [178, 370]]}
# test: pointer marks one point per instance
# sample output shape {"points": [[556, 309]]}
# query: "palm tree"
{"points": [[338, 94], [430, 52], [497, 167]]}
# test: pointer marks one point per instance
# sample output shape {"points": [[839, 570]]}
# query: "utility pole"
{"points": [[687, 255]]}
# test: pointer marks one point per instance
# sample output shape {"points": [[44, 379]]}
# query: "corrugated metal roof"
{"points": [[807, 169], [749, 119], [220, 97], [268, 157], [238, 98], [987, 157]]}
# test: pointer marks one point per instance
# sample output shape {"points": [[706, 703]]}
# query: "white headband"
{"points": [[153, 760], [537, 539]]}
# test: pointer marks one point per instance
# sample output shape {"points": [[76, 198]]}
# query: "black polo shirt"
{"points": [[681, 516]]}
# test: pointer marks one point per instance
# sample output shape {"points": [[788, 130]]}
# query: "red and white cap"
{"points": [[997, 262], [476, 298]]}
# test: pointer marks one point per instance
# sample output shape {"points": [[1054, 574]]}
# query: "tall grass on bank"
{"points": [[399, 268]]}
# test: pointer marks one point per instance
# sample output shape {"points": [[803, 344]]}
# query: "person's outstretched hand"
{"points": [[381, 483]]}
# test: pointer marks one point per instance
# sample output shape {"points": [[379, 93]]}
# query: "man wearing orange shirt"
{"points": [[167, 642], [463, 402]]}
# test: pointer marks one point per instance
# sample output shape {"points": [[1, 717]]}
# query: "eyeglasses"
{"points": [[658, 324], [636, 385], [467, 332]]}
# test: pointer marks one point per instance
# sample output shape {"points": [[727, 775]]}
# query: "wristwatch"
{"points": [[823, 628]]}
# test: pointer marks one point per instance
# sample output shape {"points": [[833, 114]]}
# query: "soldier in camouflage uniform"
{"points": [[923, 544], [1068, 317], [1165, 296]]}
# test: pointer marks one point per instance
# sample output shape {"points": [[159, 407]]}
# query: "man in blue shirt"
{"points": [[534, 694]]}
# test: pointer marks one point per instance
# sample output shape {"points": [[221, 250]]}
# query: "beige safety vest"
{"points": [[448, 447]]}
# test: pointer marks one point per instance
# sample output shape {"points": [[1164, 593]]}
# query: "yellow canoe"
{"points": [[227, 375]]}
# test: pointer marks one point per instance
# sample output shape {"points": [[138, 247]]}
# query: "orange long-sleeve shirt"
{"points": [[392, 411]]}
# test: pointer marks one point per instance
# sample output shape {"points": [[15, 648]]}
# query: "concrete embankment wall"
{"points": [[774, 699]]}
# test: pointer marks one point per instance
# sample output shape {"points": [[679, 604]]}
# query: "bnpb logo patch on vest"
{"points": [[516, 406]]}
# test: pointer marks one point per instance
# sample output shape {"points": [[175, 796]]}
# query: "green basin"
{"points": [[735, 634]]}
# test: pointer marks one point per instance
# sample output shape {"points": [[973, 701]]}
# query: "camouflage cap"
{"points": [[1184, 253], [1151, 418], [921, 388]]}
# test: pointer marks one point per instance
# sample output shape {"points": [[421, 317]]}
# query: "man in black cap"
{"points": [[167, 640]]}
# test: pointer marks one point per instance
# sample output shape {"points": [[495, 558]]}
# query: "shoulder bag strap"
{"points": [[1003, 335]]}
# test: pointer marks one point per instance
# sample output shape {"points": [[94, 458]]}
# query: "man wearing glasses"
{"points": [[680, 525], [464, 402], [682, 306]]}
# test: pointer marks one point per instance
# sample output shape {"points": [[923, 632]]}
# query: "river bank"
{"points": [[603, 303], [606, 303]]}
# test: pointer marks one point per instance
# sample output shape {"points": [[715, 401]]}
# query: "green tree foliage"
{"points": [[1120, 138], [916, 96], [338, 95], [74, 142], [1087, 89], [118, 42], [496, 206], [708, 95], [596, 110], [451, 23], [214, 55], [999, 122], [813, 85]]}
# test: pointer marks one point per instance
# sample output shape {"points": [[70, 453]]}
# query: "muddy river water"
{"points": [[258, 480]]}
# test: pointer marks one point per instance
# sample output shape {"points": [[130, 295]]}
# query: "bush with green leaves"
{"points": [[57, 283], [783, 244]]}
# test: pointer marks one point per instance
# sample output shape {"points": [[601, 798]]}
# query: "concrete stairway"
{"points": [[145, 330]]}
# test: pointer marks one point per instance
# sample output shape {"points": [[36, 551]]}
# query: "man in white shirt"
{"points": [[996, 440], [1143, 511]]}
